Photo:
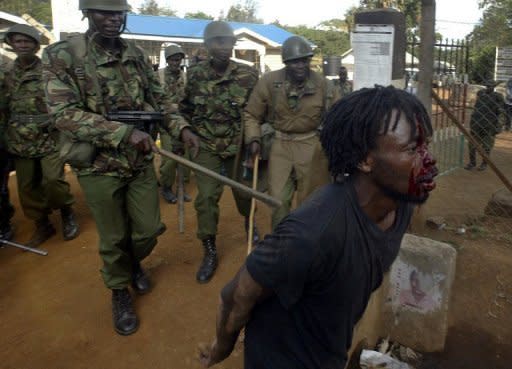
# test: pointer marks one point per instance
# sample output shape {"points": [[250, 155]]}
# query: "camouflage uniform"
{"points": [[120, 184], [30, 138], [6, 209], [484, 123], [296, 159], [213, 105], [344, 88], [174, 85]]}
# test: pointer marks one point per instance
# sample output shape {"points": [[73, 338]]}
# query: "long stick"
{"points": [[253, 204], [23, 247], [471, 139], [269, 200], [181, 200]]}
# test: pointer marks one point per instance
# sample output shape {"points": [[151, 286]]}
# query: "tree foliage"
{"points": [[40, 10], [199, 15], [245, 12], [150, 7]]}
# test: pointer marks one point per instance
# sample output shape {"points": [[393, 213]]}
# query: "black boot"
{"points": [[141, 283], [125, 320], [168, 195], [44, 230], [472, 159], [482, 166], [209, 263], [255, 233], [187, 197], [70, 227]]}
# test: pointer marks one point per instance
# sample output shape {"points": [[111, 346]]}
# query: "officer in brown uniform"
{"points": [[289, 104]]}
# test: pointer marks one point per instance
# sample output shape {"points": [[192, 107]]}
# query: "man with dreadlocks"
{"points": [[304, 287], [88, 77]]}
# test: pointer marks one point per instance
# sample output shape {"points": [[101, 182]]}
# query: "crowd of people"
{"points": [[373, 143]]}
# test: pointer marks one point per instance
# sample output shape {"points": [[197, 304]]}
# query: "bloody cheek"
{"points": [[420, 170]]}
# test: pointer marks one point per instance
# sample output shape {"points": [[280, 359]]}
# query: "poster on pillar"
{"points": [[373, 54]]}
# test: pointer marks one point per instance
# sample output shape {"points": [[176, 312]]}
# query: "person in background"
{"points": [[344, 85], [174, 85], [31, 138], [290, 103], [215, 96], [485, 123]]}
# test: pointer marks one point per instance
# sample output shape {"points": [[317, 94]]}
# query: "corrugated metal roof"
{"points": [[193, 28]]}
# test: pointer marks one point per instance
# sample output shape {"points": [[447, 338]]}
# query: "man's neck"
{"points": [[374, 203], [27, 61], [108, 43], [219, 67]]}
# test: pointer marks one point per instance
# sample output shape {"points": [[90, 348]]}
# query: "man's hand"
{"points": [[210, 355], [142, 141], [255, 148], [191, 140]]}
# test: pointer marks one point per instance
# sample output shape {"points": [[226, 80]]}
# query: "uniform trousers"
{"points": [[41, 185], [127, 216]]}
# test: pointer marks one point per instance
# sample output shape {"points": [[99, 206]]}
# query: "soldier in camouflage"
{"points": [[485, 122], [6, 209], [87, 77], [293, 101], [342, 82], [174, 84], [215, 95], [31, 139]]}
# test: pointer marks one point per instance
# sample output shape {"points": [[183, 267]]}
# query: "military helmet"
{"points": [[218, 29], [295, 47], [23, 29], [173, 50], [109, 5]]}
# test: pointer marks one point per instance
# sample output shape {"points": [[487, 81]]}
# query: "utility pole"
{"points": [[427, 37]]}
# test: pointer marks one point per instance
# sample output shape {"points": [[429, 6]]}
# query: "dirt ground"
{"points": [[56, 313]]}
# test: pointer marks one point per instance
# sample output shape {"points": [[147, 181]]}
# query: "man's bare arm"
{"points": [[238, 298]]}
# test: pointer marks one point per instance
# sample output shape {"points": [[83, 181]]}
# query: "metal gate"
{"points": [[451, 61]]}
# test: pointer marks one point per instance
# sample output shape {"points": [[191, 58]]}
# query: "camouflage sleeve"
{"points": [[173, 122], [64, 101], [255, 111], [3, 107]]}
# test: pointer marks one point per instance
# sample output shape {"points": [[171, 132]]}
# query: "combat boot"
{"points": [[255, 233], [141, 283], [209, 263], [44, 230], [168, 195], [125, 320], [70, 228]]}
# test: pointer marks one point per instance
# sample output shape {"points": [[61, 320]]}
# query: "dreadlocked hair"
{"points": [[353, 124]]}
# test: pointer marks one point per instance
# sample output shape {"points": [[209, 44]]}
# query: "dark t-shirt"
{"points": [[322, 262]]}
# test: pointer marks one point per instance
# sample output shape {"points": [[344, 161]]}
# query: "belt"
{"points": [[30, 118], [295, 136]]}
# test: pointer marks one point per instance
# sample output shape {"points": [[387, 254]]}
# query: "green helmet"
{"points": [[295, 47], [23, 29], [218, 29], [110, 5], [173, 50]]}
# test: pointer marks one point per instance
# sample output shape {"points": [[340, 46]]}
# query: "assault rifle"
{"points": [[142, 120]]}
